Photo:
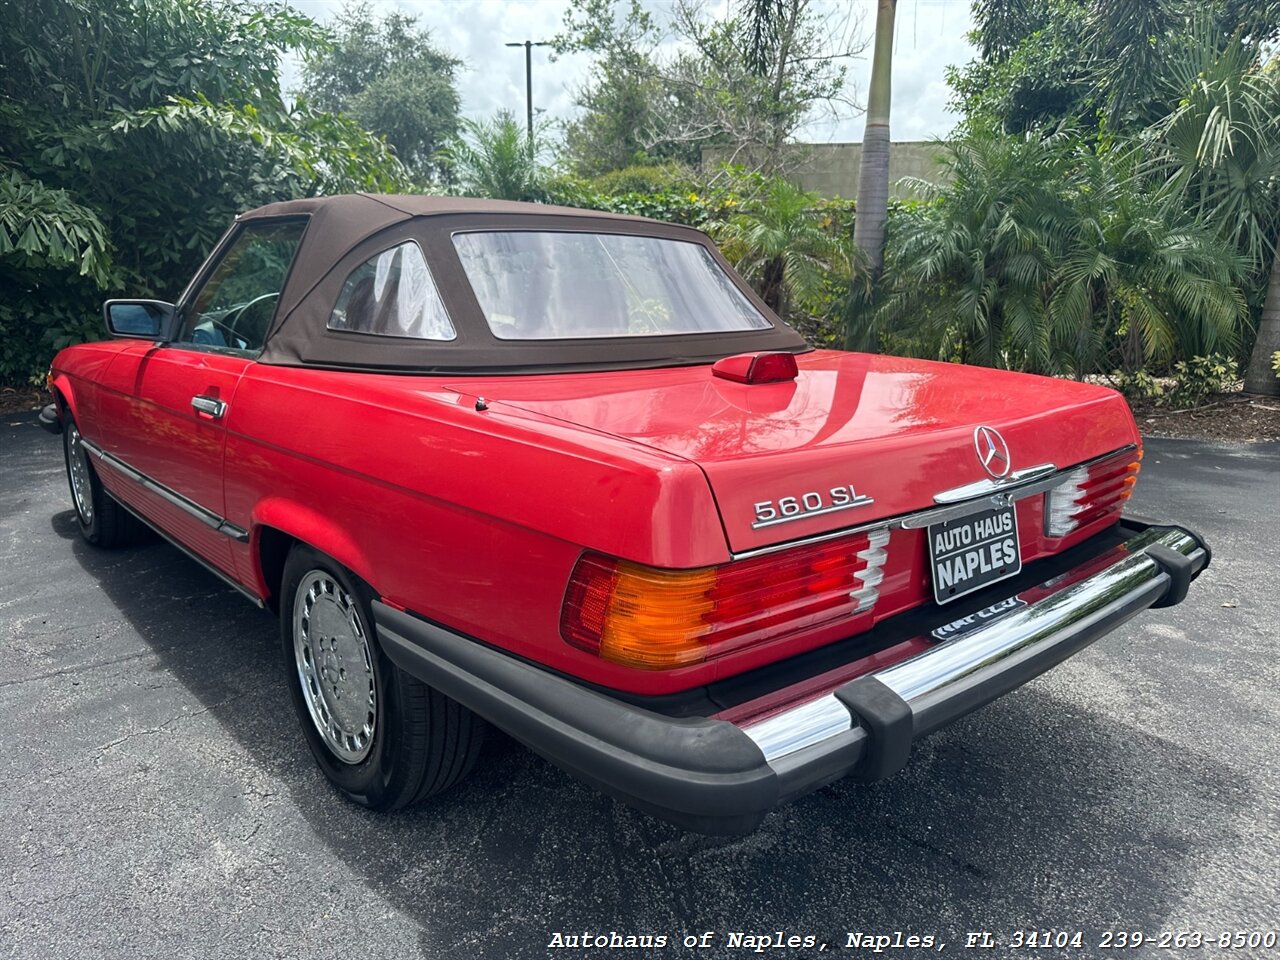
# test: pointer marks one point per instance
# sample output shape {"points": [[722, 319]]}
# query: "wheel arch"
{"points": [[278, 524], [64, 395]]}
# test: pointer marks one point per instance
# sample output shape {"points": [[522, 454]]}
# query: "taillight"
{"points": [[657, 619], [757, 368], [1091, 493]]}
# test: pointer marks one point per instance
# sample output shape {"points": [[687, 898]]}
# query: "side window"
{"points": [[235, 306], [393, 295]]}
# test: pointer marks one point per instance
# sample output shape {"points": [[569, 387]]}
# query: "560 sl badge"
{"points": [[812, 504]]}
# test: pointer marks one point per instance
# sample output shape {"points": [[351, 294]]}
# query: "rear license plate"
{"points": [[967, 554]]}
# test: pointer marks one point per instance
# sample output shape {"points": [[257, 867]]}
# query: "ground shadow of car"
{"points": [[1033, 813]]}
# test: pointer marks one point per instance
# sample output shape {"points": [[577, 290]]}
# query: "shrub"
{"points": [[492, 158], [1197, 378], [668, 178], [1190, 382], [693, 208], [784, 244], [1138, 385]]}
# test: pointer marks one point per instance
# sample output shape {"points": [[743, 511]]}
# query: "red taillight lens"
{"points": [[657, 619], [1091, 493], [757, 368]]}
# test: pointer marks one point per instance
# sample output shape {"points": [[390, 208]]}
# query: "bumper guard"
{"points": [[716, 777]]}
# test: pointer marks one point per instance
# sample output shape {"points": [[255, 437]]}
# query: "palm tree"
{"points": [[873, 174], [1263, 373], [1044, 256], [1220, 152], [782, 246], [492, 158], [761, 22], [1140, 270], [968, 272]]}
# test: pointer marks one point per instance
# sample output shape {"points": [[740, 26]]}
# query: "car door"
{"points": [[175, 399]]}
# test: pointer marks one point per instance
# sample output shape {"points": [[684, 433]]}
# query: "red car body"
{"points": [[475, 502]]}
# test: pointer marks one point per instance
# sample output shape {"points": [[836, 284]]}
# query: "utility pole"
{"points": [[528, 83]]}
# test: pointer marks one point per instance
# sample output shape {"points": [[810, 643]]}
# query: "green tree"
{"points": [[491, 159], [1219, 152], [1033, 67], [725, 84], [386, 74], [131, 132], [615, 99], [735, 86], [1042, 255], [1187, 80], [773, 24], [1041, 62], [782, 245], [1150, 282]]}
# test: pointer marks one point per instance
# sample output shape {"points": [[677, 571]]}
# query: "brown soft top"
{"points": [[422, 205], [343, 232]]}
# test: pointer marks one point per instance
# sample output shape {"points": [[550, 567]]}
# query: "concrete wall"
{"points": [[831, 169]]}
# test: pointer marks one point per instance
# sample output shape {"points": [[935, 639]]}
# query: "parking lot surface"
{"points": [[158, 799]]}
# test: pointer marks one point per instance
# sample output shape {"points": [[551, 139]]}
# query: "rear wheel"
{"points": [[103, 521], [382, 737]]}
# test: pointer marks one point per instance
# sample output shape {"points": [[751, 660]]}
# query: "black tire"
{"points": [[103, 521], [422, 742]]}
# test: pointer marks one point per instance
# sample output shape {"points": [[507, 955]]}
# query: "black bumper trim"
{"points": [[887, 719], [1180, 569], [715, 777], [703, 774]]}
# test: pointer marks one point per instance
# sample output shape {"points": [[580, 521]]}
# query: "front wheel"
{"points": [[382, 737], [103, 521]]}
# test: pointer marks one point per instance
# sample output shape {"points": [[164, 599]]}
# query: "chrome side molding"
{"points": [[207, 517], [191, 554]]}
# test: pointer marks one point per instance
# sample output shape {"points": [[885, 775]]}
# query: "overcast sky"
{"points": [[930, 35]]}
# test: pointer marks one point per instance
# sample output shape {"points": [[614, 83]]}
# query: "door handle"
{"points": [[208, 406]]}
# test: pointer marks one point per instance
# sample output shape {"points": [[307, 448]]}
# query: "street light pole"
{"points": [[528, 83]]}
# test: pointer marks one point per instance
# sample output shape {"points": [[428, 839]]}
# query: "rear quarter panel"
{"points": [[471, 518]]}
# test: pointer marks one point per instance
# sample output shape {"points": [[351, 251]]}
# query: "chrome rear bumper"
{"points": [[959, 675], [714, 775]]}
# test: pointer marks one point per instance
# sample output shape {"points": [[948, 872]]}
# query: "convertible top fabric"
{"points": [[344, 231]]}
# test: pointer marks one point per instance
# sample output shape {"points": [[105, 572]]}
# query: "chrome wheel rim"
{"points": [[78, 468], [335, 666]]}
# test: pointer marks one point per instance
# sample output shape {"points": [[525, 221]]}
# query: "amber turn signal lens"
{"points": [[637, 615]]}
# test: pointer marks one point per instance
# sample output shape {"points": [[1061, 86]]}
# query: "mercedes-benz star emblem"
{"points": [[993, 452]]}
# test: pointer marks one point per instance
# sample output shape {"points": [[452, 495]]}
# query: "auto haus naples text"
{"points": [[980, 547], [758, 942]]}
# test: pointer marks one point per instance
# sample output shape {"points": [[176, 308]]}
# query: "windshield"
{"points": [[556, 286]]}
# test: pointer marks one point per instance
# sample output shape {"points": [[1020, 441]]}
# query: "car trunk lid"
{"points": [[853, 439]]}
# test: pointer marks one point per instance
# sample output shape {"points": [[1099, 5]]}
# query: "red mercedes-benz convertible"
{"points": [[565, 473]]}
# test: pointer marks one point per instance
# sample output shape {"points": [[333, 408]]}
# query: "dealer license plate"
{"points": [[967, 554]]}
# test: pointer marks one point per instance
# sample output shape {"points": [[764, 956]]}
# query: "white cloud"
{"points": [[930, 35]]}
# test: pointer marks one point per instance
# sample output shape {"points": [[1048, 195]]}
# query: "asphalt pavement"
{"points": [[157, 799]]}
